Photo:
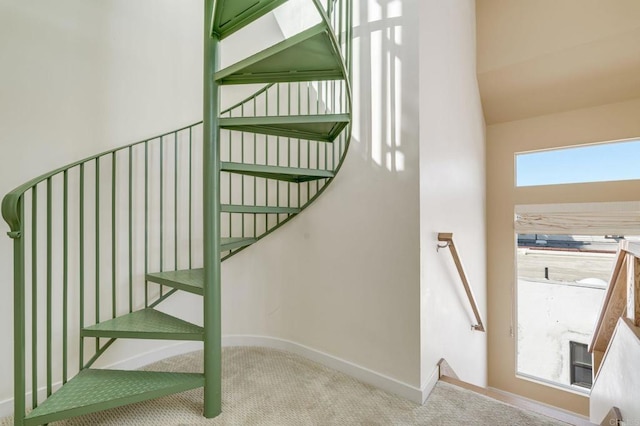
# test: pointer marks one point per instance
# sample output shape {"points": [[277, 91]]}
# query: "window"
{"points": [[593, 163], [561, 283], [564, 254], [581, 370]]}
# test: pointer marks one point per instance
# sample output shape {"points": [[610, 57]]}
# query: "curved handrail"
{"points": [[11, 201]]}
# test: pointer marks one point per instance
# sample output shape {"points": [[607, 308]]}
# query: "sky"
{"points": [[593, 163]]}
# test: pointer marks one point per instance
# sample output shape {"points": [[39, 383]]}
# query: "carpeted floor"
{"points": [[269, 387]]}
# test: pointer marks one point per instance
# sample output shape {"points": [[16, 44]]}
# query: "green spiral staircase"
{"points": [[100, 244]]}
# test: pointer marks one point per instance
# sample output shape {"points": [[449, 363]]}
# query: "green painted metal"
{"points": [[324, 128], [289, 174], [81, 255], [189, 280], [65, 277], [230, 16], [230, 208], [34, 300], [146, 324], [49, 287], [275, 162], [114, 263], [96, 390], [19, 317], [308, 56], [211, 211]]}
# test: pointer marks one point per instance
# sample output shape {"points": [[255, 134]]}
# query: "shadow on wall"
{"points": [[385, 106]]}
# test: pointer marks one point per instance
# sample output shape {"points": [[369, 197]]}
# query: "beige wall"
{"points": [[584, 126]]}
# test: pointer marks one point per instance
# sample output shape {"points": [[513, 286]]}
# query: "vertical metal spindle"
{"points": [[175, 200], [65, 272], [190, 193], [81, 261], [19, 330], [161, 208], [130, 227], [97, 231], [49, 286], [113, 234], [242, 178], [255, 187], [34, 297], [146, 223]]}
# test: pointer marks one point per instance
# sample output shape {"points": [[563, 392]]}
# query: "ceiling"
{"points": [[539, 57]]}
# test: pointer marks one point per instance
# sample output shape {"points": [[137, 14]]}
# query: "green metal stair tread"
{"points": [[235, 243], [192, 280], [288, 174], [189, 280], [323, 127], [307, 56], [97, 390], [146, 324], [233, 208], [231, 15]]}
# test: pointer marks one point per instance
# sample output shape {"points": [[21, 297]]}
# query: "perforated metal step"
{"points": [[283, 62], [97, 390], [146, 324], [232, 15], [288, 174], [324, 127]]}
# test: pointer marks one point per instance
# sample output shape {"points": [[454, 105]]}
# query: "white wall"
{"points": [[81, 77], [452, 189], [550, 316], [618, 382], [343, 277]]}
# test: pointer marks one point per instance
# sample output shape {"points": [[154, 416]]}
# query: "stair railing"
{"points": [[622, 300], [332, 97], [84, 237], [447, 238]]}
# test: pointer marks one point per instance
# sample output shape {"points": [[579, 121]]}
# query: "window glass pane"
{"points": [[581, 354], [593, 163], [582, 376], [561, 283]]}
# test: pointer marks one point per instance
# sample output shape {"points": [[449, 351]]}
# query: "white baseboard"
{"points": [[361, 373], [389, 384], [430, 384]]}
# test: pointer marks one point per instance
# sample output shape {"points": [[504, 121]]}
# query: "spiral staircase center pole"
{"points": [[211, 217]]}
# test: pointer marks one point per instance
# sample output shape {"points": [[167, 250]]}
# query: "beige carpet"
{"points": [[269, 387]]}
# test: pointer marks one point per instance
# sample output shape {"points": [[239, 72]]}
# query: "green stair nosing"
{"points": [[176, 279], [146, 324], [277, 125], [47, 412], [283, 77], [234, 243], [252, 13], [234, 74], [232, 208], [290, 174]]}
